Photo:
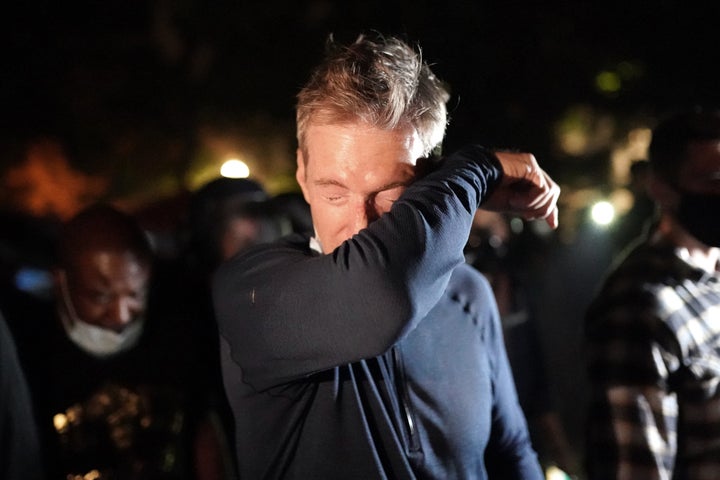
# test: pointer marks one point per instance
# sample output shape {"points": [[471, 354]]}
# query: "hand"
{"points": [[525, 189]]}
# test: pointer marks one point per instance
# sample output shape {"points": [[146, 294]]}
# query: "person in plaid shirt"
{"points": [[653, 330]]}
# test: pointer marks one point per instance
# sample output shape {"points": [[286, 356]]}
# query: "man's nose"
{"points": [[364, 214], [121, 314]]}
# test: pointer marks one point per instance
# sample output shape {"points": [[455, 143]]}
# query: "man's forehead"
{"points": [[105, 259], [360, 128], [327, 139]]}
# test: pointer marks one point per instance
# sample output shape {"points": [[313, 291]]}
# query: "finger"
{"points": [[553, 220], [544, 211], [548, 211], [540, 203], [539, 198], [552, 214], [550, 193]]}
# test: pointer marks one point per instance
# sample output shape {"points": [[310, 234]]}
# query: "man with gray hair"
{"points": [[369, 350]]}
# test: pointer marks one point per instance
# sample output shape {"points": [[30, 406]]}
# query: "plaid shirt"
{"points": [[653, 346]]}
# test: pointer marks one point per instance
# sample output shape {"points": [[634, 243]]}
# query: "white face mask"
{"points": [[97, 341]]}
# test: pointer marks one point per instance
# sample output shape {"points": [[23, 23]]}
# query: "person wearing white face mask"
{"points": [[112, 286], [114, 381], [96, 340]]}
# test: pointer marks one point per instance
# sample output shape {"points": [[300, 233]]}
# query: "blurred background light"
{"points": [[517, 225], [554, 473], [602, 213], [235, 168], [35, 281], [608, 82]]}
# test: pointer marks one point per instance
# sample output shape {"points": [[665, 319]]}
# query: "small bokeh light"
{"points": [[235, 168], [60, 421], [602, 213], [608, 82], [554, 473]]}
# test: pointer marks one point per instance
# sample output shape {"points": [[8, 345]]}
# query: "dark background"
{"points": [[126, 87]]}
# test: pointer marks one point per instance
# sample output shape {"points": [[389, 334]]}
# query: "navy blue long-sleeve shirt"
{"points": [[383, 359]]}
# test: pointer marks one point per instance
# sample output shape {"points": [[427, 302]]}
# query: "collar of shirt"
{"points": [[315, 245]]}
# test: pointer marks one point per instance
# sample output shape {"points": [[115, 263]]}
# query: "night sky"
{"points": [[85, 71]]}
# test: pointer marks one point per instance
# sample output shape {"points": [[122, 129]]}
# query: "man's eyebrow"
{"points": [[329, 182], [392, 185]]}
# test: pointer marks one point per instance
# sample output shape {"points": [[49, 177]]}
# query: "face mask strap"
{"points": [[65, 294]]}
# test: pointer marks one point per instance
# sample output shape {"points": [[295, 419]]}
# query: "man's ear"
{"points": [[300, 174]]}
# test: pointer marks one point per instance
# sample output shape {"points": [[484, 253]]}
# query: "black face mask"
{"points": [[699, 214]]}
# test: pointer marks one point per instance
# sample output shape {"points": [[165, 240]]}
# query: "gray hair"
{"points": [[383, 82]]}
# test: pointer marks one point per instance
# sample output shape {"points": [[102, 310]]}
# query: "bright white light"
{"points": [[602, 213], [235, 168], [554, 473]]}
